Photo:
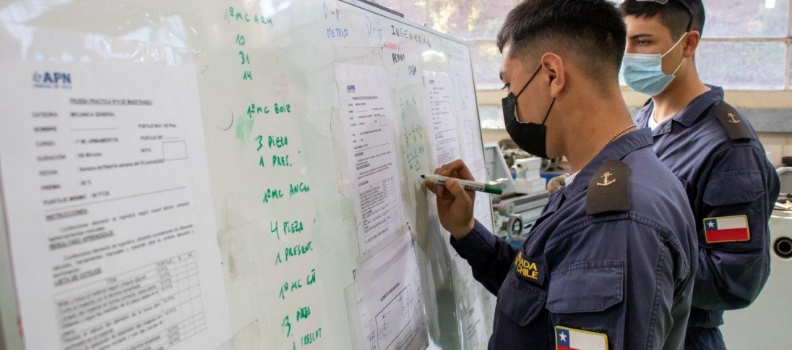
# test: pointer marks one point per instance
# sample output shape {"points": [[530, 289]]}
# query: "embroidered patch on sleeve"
{"points": [[529, 269], [727, 229], [576, 339]]}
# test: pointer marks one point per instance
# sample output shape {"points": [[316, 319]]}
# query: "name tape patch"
{"points": [[530, 270]]}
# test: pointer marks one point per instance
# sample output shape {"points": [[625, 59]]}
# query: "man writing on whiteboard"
{"points": [[610, 263]]}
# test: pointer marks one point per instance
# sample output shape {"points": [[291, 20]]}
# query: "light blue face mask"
{"points": [[644, 72]]}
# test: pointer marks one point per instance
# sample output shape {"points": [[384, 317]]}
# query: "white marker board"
{"points": [[277, 153]]}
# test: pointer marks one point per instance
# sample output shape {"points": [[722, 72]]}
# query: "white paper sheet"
{"points": [[482, 208], [467, 114], [365, 104], [389, 299], [474, 326], [472, 319], [109, 210], [439, 107]]}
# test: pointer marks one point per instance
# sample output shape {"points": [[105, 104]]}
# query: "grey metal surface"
{"points": [[785, 174], [766, 323]]}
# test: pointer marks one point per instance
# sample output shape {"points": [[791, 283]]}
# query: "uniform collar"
{"points": [[618, 149], [687, 116]]}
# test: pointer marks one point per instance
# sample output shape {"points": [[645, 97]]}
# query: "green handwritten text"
{"points": [[298, 188], [235, 15], [277, 141], [310, 338], [297, 284], [303, 313], [289, 227], [281, 161], [292, 252], [272, 194]]}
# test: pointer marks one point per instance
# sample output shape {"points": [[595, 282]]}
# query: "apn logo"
{"points": [[351, 89], [52, 80]]}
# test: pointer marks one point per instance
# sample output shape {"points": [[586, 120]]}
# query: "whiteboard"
{"points": [[272, 117]]}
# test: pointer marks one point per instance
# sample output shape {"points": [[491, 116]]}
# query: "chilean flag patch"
{"points": [[575, 339], [727, 229]]}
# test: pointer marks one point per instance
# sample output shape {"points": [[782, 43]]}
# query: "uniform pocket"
{"points": [[733, 187], [520, 300], [586, 287]]}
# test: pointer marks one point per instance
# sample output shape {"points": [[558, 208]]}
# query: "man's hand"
{"points": [[454, 204]]}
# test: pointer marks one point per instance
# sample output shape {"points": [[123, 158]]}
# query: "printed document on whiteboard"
{"points": [[467, 113], [371, 150], [440, 108], [389, 299], [112, 231]]}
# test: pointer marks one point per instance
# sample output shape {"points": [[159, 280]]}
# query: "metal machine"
{"points": [[514, 213], [766, 323]]}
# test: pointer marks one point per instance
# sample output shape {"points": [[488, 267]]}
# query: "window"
{"points": [[475, 21], [753, 65], [747, 45], [413, 10]]}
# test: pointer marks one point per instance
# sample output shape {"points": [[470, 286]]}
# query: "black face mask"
{"points": [[531, 137]]}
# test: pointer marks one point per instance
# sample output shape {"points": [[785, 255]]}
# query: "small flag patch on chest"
{"points": [[727, 229], [575, 339]]}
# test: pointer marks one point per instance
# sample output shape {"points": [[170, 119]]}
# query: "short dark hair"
{"points": [[673, 14], [591, 31]]}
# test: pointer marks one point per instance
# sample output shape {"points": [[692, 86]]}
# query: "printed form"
{"points": [[467, 117], [469, 304], [389, 299], [110, 219], [371, 148], [439, 107]]}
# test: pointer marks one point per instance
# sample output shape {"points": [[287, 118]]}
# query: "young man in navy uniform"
{"points": [[610, 263], [713, 150]]}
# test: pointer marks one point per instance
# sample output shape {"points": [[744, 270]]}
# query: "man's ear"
{"points": [[553, 67], [691, 43]]}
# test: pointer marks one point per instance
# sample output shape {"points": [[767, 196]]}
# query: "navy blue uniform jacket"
{"points": [[724, 175], [592, 263]]}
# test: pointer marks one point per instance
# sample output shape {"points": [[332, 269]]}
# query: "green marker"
{"points": [[468, 185]]}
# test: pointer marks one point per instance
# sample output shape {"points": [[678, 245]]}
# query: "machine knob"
{"points": [[515, 227], [506, 208], [783, 247]]}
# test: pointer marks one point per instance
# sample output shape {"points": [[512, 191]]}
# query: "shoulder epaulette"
{"points": [[609, 189], [733, 122]]}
